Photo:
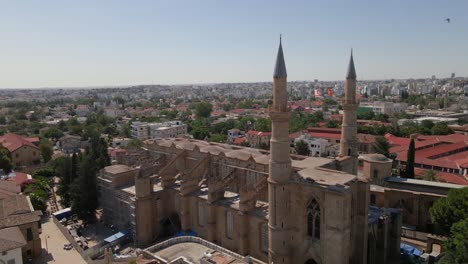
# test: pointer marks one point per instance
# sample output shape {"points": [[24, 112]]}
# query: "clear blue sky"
{"points": [[100, 43]]}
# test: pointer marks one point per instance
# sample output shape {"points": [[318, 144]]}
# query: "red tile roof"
{"points": [[20, 178], [325, 135], [32, 139], [239, 140], [444, 176], [13, 142], [258, 133]]}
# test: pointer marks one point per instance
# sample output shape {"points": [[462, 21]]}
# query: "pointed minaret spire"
{"points": [[280, 66], [351, 75], [280, 169]]}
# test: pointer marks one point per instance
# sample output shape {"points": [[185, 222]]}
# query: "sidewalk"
{"points": [[52, 246]]}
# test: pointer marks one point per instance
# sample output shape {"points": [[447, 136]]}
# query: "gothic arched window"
{"points": [[313, 220]]}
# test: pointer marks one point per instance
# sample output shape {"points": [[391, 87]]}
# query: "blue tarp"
{"points": [[188, 233], [116, 236], [409, 250]]}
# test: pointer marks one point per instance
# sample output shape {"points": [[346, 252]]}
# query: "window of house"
{"points": [[29, 234], [17, 155], [201, 213], [34, 153], [229, 224], [264, 237], [376, 173], [4, 253], [313, 220]]}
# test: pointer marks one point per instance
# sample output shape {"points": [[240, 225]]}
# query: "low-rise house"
{"points": [[317, 146], [22, 151], [17, 211], [120, 142], [258, 138], [11, 242], [70, 144], [232, 135]]}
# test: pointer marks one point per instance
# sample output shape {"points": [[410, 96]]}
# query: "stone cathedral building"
{"points": [[271, 205]]}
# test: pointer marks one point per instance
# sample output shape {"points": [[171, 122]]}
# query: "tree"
{"points": [[456, 247], [135, 143], [200, 133], [367, 114], [5, 161], [46, 150], [427, 124], [220, 138], [430, 175], [120, 101], [332, 123], [409, 171], [302, 148], [38, 193], [449, 210], [441, 129], [381, 146], [83, 190], [263, 124], [203, 109], [46, 172], [53, 133], [63, 169]]}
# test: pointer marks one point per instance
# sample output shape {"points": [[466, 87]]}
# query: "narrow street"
{"points": [[52, 246]]}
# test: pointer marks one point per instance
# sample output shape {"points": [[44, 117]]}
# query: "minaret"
{"points": [[279, 167], [348, 143]]}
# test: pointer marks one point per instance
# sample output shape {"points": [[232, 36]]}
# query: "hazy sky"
{"points": [[99, 43]]}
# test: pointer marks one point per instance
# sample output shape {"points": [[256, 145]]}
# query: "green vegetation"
{"points": [[83, 188], [451, 218], [219, 138], [300, 121], [409, 170], [332, 124], [302, 148], [38, 192], [430, 175], [135, 143], [45, 146], [263, 124], [381, 146], [52, 133], [203, 109], [5, 160]]}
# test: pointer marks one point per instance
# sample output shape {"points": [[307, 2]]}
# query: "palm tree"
{"points": [[430, 176]]}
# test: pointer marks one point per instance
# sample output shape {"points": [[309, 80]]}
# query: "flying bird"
{"points": [[447, 19]]}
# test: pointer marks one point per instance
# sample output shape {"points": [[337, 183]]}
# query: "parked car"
{"points": [[67, 246]]}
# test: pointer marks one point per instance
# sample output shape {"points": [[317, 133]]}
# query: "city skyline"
{"points": [[118, 44]]}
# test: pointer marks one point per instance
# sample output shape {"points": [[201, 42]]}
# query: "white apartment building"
{"points": [[139, 130], [380, 107], [317, 146], [144, 130]]}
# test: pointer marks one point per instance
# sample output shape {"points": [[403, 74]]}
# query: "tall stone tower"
{"points": [[279, 167], [348, 143]]}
